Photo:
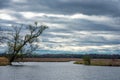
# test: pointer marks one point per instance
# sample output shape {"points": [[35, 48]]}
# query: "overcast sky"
{"points": [[74, 25]]}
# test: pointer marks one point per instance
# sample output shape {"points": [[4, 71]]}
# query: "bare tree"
{"points": [[21, 42]]}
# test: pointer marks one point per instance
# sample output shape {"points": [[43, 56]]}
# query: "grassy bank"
{"points": [[102, 62], [49, 59], [96, 62], [3, 61]]}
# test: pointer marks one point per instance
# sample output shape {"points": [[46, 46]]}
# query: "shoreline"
{"points": [[101, 62], [49, 59], [94, 62], [4, 61]]}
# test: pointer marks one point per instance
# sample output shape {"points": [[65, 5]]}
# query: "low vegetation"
{"points": [[52, 58], [3, 61], [78, 62], [87, 60], [96, 62], [102, 62], [49, 59]]}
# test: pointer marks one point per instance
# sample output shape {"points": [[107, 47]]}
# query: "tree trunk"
{"points": [[12, 58]]}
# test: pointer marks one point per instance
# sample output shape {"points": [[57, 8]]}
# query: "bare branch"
{"points": [[19, 43]]}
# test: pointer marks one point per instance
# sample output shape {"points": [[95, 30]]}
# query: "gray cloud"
{"points": [[4, 4], [89, 7], [92, 7], [65, 27]]}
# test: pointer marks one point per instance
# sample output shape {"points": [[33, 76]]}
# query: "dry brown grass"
{"points": [[102, 62], [106, 62], [3, 61], [49, 59], [97, 62]]}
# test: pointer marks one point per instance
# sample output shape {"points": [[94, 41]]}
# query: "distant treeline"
{"points": [[94, 56]]}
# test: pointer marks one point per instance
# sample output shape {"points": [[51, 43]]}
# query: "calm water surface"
{"points": [[58, 71]]}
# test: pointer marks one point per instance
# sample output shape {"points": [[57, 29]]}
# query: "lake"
{"points": [[58, 71]]}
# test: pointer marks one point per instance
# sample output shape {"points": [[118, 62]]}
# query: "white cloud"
{"points": [[81, 40], [60, 33], [74, 16], [5, 16], [19, 1], [80, 48], [35, 16], [75, 26], [30, 15], [54, 25], [91, 17]]}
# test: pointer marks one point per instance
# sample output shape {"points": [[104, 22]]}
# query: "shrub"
{"points": [[87, 60]]}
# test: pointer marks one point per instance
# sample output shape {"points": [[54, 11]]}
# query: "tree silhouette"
{"points": [[20, 42]]}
